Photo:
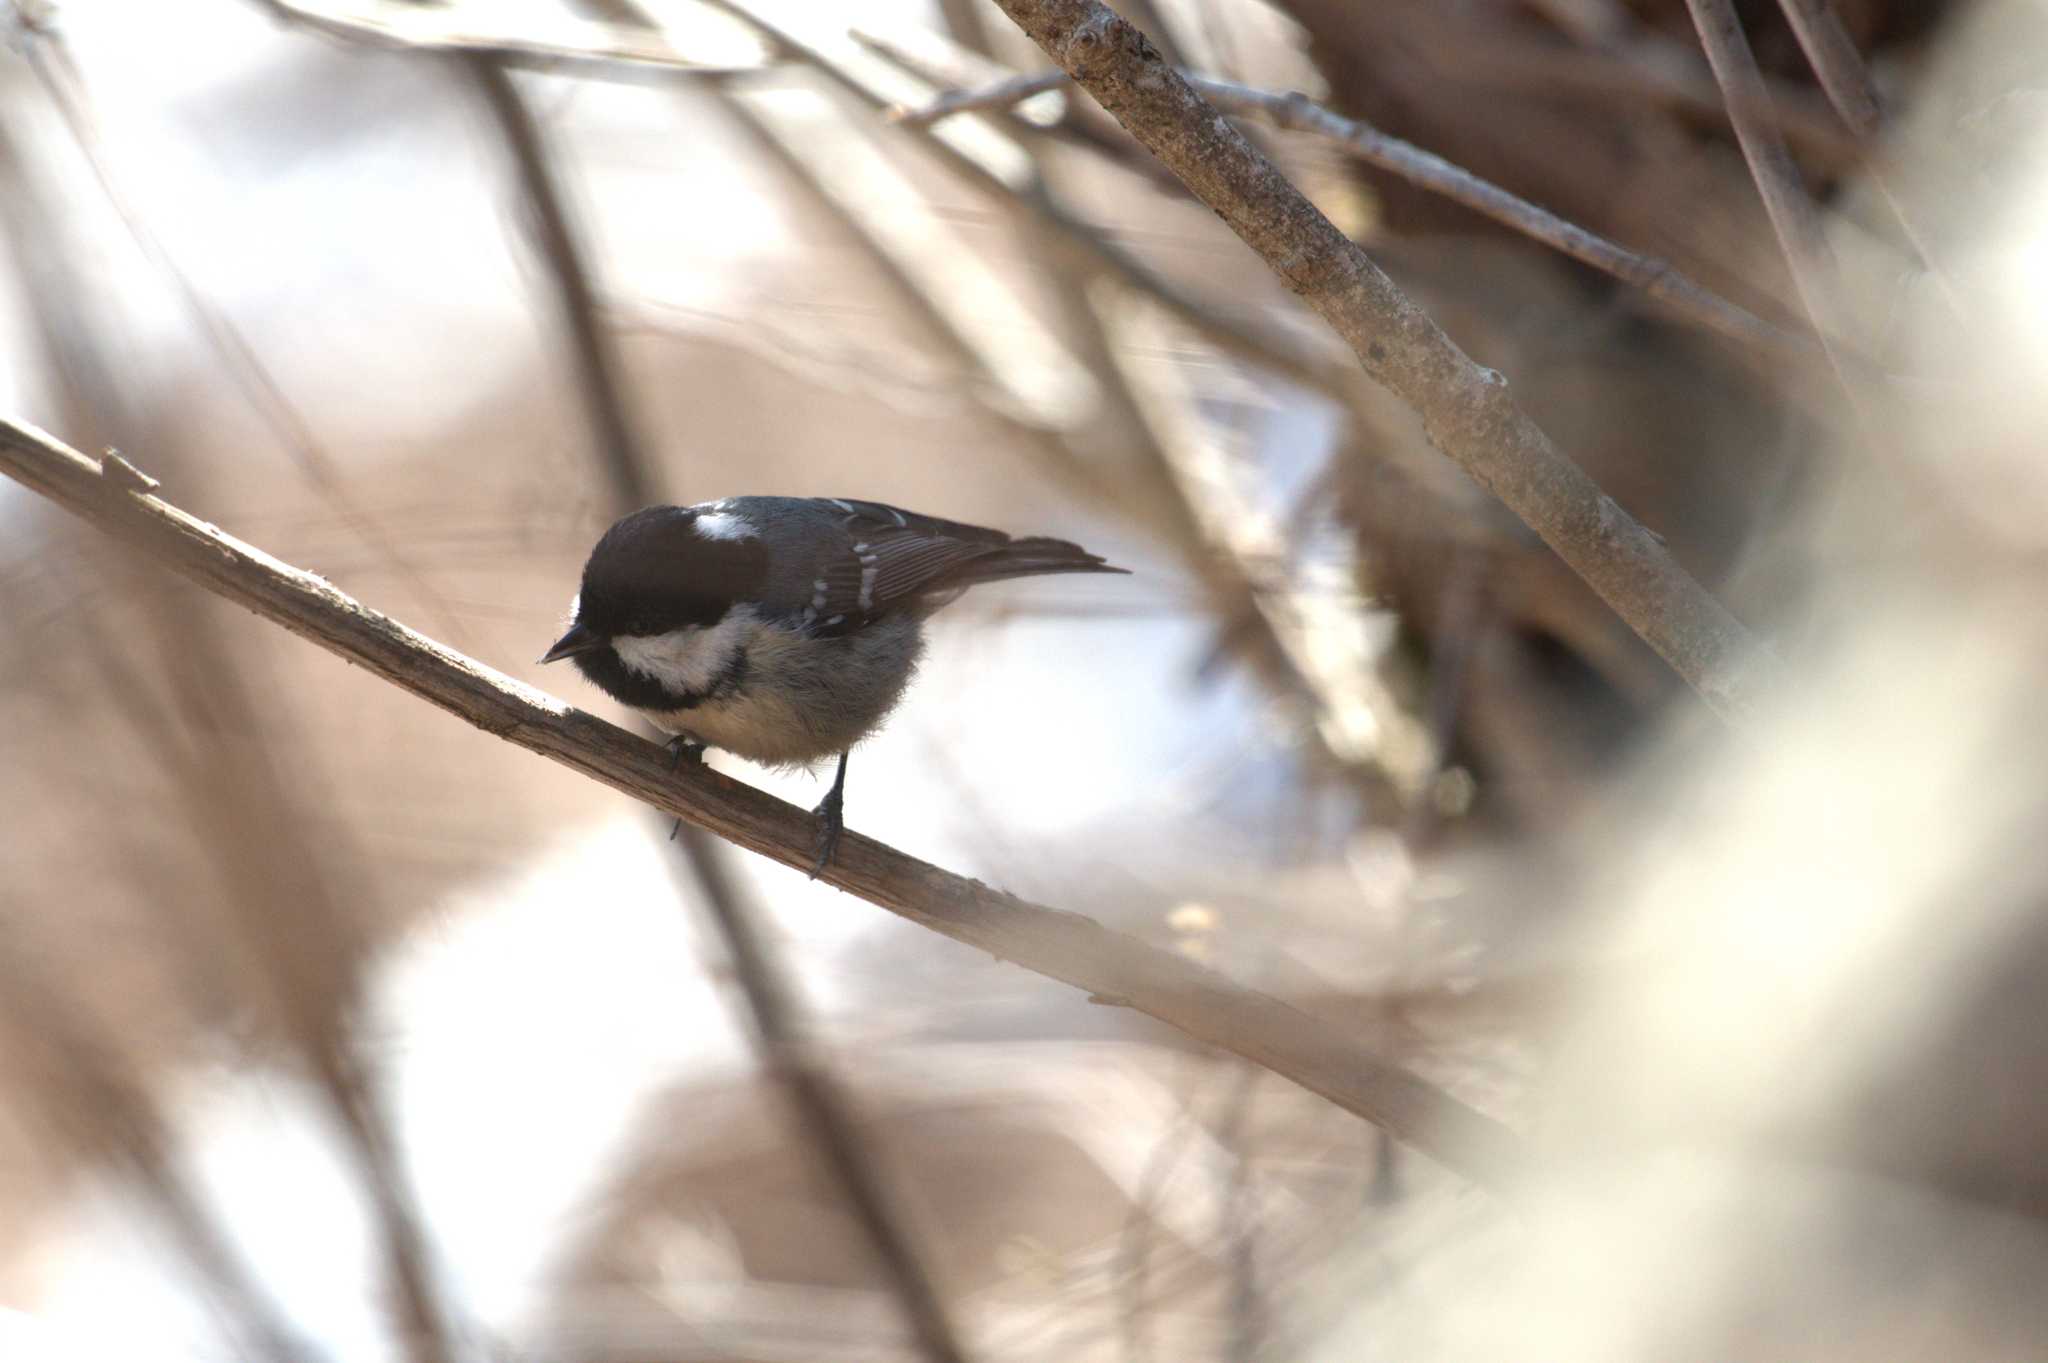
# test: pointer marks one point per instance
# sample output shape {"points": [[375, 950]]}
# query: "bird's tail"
{"points": [[1031, 557]]}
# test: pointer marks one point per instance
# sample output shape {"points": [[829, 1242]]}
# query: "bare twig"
{"points": [[824, 1120], [823, 1113], [1245, 338], [1846, 78], [1659, 279], [1835, 60], [1063, 946], [575, 46], [1793, 217], [1640, 65], [1426, 170], [1004, 94], [1020, 372], [599, 369], [1466, 410]]}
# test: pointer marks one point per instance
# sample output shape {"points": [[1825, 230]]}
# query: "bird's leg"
{"points": [[681, 750], [830, 824]]}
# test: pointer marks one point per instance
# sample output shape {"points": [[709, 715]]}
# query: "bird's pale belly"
{"points": [[801, 703], [761, 728]]}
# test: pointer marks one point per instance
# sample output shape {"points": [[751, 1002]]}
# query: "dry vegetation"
{"points": [[1542, 860]]}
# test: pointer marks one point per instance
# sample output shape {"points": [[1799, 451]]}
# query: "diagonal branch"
{"points": [[565, 45], [1465, 409], [599, 368], [1843, 74], [1296, 112], [824, 1111], [1113, 967], [1794, 219], [1002, 95], [824, 1115], [1832, 54]]}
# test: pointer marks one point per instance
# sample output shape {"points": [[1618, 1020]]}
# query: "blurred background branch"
{"points": [[331, 1032]]}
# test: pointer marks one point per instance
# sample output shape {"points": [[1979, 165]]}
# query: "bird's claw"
{"points": [[681, 750]]}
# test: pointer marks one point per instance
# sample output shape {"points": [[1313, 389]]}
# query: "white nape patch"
{"points": [[843, 506], [688, 659], [724, 525]]}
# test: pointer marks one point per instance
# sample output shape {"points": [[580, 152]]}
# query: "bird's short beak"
{"points": [[577, 640]]}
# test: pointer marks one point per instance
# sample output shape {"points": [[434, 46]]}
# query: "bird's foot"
{"points": [[830, 825]]}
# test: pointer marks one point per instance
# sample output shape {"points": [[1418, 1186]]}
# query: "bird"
{"points": [[780, 629]]}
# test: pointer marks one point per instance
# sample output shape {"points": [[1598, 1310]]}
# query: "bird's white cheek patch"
{"points": [[687, 659]]}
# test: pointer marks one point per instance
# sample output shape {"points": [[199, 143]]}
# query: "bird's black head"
{"points": [[658, 570]]}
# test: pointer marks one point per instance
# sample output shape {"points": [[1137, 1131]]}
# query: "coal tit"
{"points": [[782, 629]]}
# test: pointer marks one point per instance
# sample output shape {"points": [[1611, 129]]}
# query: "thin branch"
{"points": [[1640, 65], [1265, 346], [1845, 77], [1837, 63], [599, 368], [1111, 966], [1426, 170], [574, 46], [1002, 95], [823, 1112], [1793, 216], [1466, 410], [824, 1118], [1020, 372]]}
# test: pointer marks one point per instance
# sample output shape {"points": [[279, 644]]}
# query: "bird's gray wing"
{"points": [[882, 557]]}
